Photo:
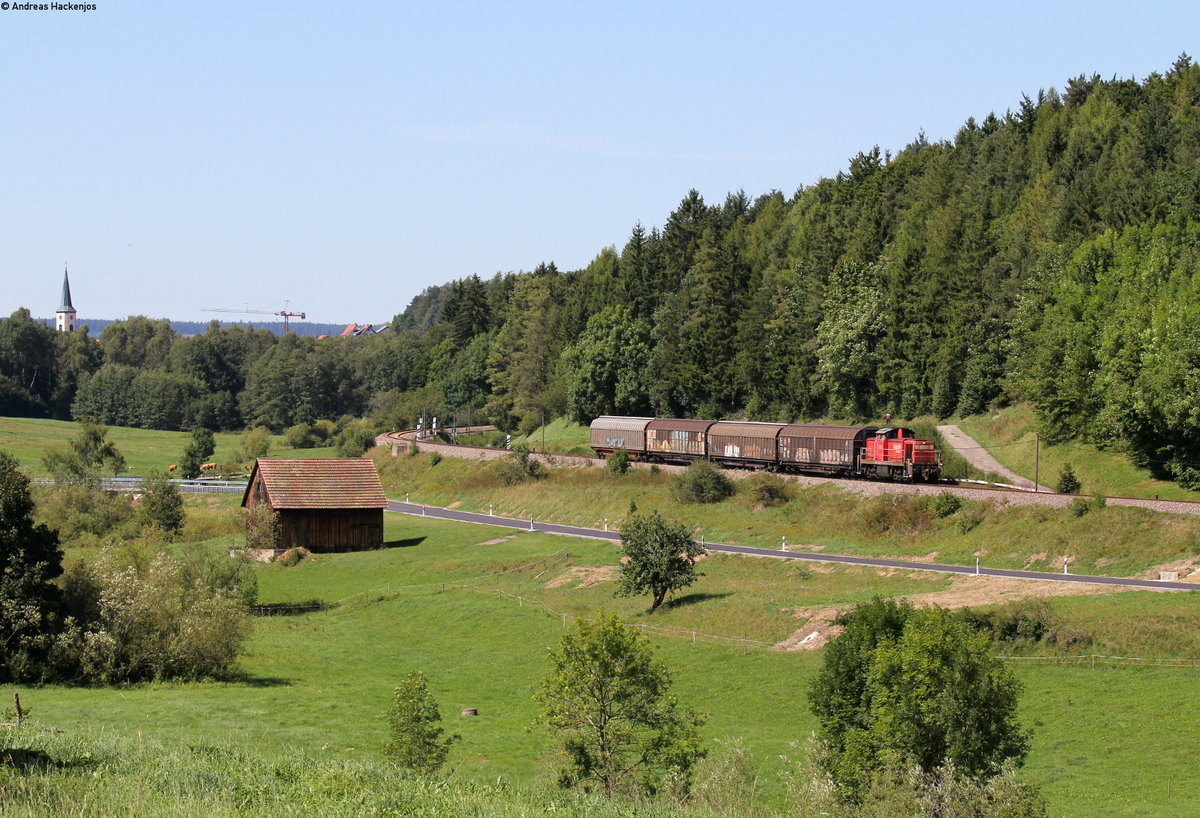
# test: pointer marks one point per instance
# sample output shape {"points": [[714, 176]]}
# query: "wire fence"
{"points": [[1093, 660]]}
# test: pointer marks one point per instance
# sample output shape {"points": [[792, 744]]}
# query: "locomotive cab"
{"points": [[898, 455]]}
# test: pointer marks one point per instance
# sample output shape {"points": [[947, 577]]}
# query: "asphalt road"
{"points": [[597, 533]]}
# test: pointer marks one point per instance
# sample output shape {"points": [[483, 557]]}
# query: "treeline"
{"points": [[1046, 254]]}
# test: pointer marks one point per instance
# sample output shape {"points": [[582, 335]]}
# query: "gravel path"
{"points": [[981, 458]]}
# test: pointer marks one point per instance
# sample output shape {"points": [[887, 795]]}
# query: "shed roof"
{"points": [[315, 484], [827, 432]]}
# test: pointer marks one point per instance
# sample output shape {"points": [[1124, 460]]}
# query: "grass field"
{"points": [[476, 608], [1009, 436], [442, 601], [146, 451]]}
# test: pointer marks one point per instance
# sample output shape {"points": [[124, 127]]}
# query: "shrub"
{"points": [[255, 443], [1079, 506], [435, 458], [355, 439], [162, 505], [167, 618], [767, 489], [703, 482], [300, 436], [262, 528], [1068, 483], [618, 462], [946, 504], [518, 466], [898, 513]]}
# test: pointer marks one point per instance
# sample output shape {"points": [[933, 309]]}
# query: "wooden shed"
{"points": [[323, 505]]}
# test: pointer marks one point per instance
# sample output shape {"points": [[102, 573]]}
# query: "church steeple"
{"points": [[64, 318]]}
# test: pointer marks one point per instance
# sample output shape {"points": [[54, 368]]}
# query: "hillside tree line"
{"points": [[1047, 255]]}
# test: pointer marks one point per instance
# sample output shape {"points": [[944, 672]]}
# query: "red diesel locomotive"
{"points": [[851, 451]]}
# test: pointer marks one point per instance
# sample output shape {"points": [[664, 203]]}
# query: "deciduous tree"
{"points": [[660, 557], [608, 702], [416, 739]]}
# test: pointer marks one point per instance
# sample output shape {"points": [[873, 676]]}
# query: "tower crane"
{"points": [[284, 312]]}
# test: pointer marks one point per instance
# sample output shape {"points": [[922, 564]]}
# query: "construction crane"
{"points": [[284, 312]]}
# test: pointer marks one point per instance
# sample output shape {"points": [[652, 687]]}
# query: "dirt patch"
{"points": [[585, 576], [498, 540], [455, 504], [964, 592], [1188, 569]]}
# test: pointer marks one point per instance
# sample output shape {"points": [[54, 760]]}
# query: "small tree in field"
{"points": [[199, 448], [162, 504], [660, 558], [416, 740], [608, 702], [1068, 482]]}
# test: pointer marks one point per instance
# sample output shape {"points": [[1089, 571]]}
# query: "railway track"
{"points": [[401, 440]]}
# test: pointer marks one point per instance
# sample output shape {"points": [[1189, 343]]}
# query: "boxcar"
{"points": [[753, 444], [831, 449], [675, 440], [609, 432]]}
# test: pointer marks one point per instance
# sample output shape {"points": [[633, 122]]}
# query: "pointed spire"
{"points": [[66, 294]]}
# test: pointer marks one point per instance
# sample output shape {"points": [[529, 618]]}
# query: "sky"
{"points": [[336, 159]]}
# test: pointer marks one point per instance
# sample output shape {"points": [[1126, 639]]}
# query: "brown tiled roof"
{"points": [[311, 483]]}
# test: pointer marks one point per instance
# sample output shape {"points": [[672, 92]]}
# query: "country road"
{"points": [[596, 533], [981, 458]]}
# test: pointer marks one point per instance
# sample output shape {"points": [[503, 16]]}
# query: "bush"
{"points": [[1068, 483], [435, 458], [1079, 506], [898, 513], [165, 618], [946, 504], [255, 443], [703, 482], [355, 439], [518, 466], [262, 528], [767, 489], [618, 462], [162, 505], [301, 436]]}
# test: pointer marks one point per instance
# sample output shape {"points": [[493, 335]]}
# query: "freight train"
{"points": [[848, 451]]}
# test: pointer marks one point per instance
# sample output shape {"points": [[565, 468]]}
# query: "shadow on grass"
{"points": [[288, 608], [692, 599], [246, 680], [409, 543]]}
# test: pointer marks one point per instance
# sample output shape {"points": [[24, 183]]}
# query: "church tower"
{"points": [[64, 318]]}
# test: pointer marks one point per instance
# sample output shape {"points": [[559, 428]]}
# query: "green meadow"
{"points": [[476, 607], [146, 451], [300, 730], [1010, 436]]}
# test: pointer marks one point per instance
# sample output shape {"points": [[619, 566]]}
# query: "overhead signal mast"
{"points": [[284, 312]]}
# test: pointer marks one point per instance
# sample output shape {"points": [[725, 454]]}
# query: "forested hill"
{"points": [[1046, 254]]}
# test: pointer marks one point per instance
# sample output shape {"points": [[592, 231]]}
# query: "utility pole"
{"points": [[1037, 453]]}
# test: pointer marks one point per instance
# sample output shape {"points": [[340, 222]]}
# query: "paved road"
{"points": [[596, 533], [981, 458]]}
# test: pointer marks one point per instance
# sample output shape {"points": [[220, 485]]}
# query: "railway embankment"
{"points": [[399, 442]]}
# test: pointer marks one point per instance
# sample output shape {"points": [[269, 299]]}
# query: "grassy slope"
{"points": [[1009, 435], [318, 683], [1114, 541], [146, 450]]}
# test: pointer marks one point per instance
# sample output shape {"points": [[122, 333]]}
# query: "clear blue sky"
{"points": [[342, 157]]}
